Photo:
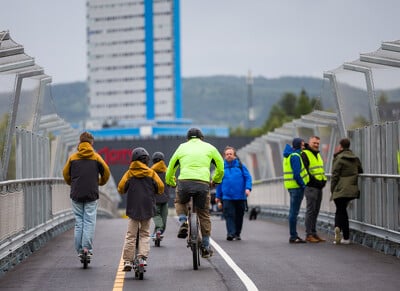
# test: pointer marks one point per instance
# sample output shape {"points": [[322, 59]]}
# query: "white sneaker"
{"points": [[345, 241], [338, 237], [127, 266]]}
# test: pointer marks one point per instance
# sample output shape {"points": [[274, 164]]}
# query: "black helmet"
{"points": [[157, 156], [194, 133], [140, 154]]}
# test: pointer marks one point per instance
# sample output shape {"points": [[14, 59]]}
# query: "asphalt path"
{"points": [[262, 260]]}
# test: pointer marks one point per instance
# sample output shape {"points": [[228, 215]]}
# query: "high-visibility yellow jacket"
{"points": [[316, 166], [289, 180]]}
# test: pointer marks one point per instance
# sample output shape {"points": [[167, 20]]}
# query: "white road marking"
{"points": [[242, 276]]}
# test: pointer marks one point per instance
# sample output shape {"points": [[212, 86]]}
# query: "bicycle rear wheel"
{"points": [[194, 238]]}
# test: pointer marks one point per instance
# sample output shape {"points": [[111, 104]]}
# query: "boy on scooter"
{"points": [[141, 184]]}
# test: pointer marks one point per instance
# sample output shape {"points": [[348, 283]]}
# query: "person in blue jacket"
{"points": [[233, 191], [295, 179]]}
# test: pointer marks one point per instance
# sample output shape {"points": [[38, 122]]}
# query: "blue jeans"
{"points": [[233, 211], [296, 197], [85, 224]]}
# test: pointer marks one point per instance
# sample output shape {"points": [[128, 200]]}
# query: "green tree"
{"points": [[277, 117], [288, 103], [303, 105], [383, 99], [286, 109], [11, 174], [358, 122]]}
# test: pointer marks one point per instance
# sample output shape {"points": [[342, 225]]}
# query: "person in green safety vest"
{"points": [[313, 192], [398, 162], [295, 179]]}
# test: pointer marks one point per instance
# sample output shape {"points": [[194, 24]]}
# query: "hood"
{"points": [[85, 150], [160, 167], [287, 151], [346, 154], [139, 169]]}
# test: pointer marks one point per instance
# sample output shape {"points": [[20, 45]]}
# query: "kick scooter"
{"points": [[158, 238], [138, 263], [85, 258]]}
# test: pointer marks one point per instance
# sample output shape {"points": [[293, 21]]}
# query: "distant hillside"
{"points": [[223, 99], [71, 101], [220, 100]]}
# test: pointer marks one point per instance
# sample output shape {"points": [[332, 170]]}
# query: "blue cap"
{"points": [[296, 143]]}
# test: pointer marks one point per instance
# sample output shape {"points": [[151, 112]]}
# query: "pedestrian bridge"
{"points": [[35, 142]]}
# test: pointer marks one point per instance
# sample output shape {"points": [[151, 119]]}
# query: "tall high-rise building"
{"points": [[133, 60]]}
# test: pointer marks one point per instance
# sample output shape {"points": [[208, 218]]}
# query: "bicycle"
{"points": [[194, 234]]}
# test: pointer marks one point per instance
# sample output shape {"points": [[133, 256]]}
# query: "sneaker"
{"points": [[206, 252], [127, 266], [183, 230], [88, 255], [229, 237], [237, 237], [345, 241], [319, 238], [297, 240], [311, 239], [338, 237]]}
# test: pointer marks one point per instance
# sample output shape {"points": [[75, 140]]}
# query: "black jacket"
{"points": [[141, 184], [85, 170]]}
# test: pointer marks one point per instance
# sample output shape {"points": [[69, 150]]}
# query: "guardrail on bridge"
{"points": [[34, 210]]}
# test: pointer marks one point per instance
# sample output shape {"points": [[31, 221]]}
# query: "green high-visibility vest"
{"points": [[316, 166], [288, 178], [398, 162]]}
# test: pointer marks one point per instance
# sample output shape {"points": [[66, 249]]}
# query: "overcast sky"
{"points": [[269, 38]]}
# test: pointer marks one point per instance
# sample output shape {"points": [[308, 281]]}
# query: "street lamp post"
{"points": [[250, 108]]}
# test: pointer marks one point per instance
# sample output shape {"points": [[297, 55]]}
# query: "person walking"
{"points": [[313, 192], [84, 171], [141, 184], [295, 178], [344, 187], [233, 192], [160, 218], [194, 158]]}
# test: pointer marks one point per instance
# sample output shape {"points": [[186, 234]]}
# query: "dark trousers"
{"points": [[341, 217], [233, 212], [313, 198]]}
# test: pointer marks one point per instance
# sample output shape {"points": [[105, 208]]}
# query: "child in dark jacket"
{"points": [[141, 184], [160, 218]]}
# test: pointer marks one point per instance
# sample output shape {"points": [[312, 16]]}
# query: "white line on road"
{"points": [[243, 277]]}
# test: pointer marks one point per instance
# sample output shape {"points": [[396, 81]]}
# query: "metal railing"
{"points": [[374, 218], [32, 210]]}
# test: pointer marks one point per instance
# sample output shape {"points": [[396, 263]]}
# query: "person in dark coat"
{"points": [[141, 184], [160, 219], [84, 171], [344, 187]]}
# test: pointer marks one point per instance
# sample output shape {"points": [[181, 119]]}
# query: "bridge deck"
{"points": [[264, 259]]}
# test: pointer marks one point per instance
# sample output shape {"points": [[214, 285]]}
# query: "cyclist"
{"points": [[194, 158]]}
